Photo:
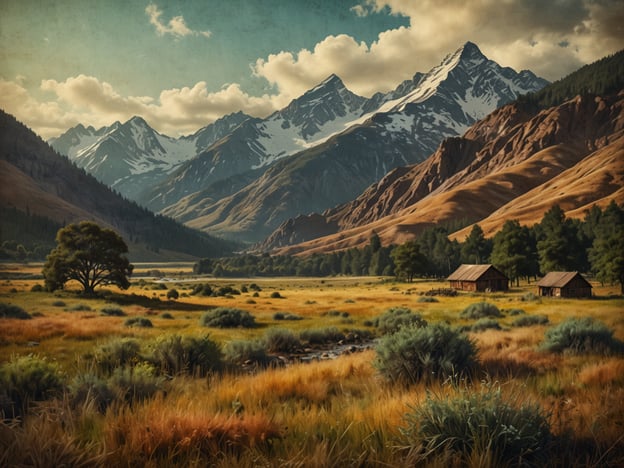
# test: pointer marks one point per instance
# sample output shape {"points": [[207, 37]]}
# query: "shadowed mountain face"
{"points": [[34, 179], [514, 164]]}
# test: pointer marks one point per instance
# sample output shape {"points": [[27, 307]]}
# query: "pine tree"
{"points": [[607, 252]]}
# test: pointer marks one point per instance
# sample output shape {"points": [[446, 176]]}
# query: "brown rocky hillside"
{"points": [[514, 164]]}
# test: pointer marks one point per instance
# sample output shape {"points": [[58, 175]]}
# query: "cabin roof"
{"points": [[467, 272], [559, 279]]}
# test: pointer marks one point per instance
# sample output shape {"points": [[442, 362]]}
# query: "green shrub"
{"points": [[530, 320], [80, 308], [166, 315], [427, 299], [529, 297], [482, 325], [276, 295], [26, 379], [37, 288], [321, 335], [281, 340], [286, 316], [480, 310], [86, 389], [514, 312], [13, 311], [113, 312], [138, 322], [246, 352], [202, 290], [435, 352], [173, 294], [59, 304], [135, 384], [396, 317], [227, 317], [227, 291], [117, 353], [582, 335], [474, 425], [175, 355]]}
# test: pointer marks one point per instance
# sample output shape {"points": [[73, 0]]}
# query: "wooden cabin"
{"points": [[478, 278], [564, 284]]}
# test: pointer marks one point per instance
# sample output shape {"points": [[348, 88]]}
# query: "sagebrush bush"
{"points": [[321, 335], [135, 384], [246, 352], [482, 325], [281, 340], [166, 315], [513, 312], [13, 311], [202, 290], [228, 317], [276, 295], [26, 379], [113, 312], [173, 355], [530, 297], [80, 308], [582, 335], [88, 388], [480, 310], [173, 294], [530, 320], [286, 316], [396, 317], [117, 353], [434, 352], [139, 322], [227, 291], [427, 299], [480, 425]]}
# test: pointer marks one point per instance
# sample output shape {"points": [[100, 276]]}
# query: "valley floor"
{"points": [[338, 411]]}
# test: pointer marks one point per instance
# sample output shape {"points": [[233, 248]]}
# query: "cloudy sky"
{"points": [[183, 64]]}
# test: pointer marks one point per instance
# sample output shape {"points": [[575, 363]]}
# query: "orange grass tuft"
{"points": [[159, 432], [610, 371]]}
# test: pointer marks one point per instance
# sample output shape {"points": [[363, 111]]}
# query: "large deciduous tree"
{"points": [[90, 255]]}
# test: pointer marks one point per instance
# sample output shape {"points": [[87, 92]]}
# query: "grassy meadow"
{"points": [[328, 412]]}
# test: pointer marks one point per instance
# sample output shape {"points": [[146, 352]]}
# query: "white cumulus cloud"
{"points": [[87, 100], [176, 26]]}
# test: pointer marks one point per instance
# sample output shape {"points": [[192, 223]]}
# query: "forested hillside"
{"points": [[36, 181]]}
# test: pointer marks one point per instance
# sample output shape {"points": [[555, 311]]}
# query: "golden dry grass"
{"points": [[329, 413]]}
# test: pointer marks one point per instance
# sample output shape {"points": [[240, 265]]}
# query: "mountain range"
{"points": [[547, 148], [242, 177], [38, 183]]}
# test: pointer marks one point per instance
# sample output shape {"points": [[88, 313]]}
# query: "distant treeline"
{"points": [[25, 236], [592, 245], [603, 77]]}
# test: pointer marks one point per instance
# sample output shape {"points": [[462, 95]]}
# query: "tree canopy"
{"points": [[90, 255]]}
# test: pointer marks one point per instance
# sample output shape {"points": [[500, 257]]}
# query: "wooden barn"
{"points": [[564, 284], [478, 278]]}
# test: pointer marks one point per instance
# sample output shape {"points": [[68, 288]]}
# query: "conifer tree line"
{"points": [[593, 245]]}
